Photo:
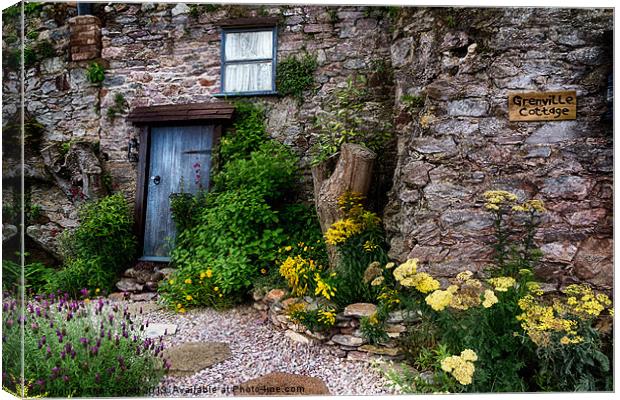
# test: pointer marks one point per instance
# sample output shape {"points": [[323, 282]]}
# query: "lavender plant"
{"points": [[78, 348]]}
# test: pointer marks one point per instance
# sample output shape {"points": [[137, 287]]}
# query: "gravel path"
{"points": [[257, 349]]}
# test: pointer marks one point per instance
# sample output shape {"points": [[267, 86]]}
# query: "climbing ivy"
{"points": [[296, 75]]}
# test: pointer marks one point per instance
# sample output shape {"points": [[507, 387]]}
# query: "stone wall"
{"points": [[460, 143], [457, 144]]}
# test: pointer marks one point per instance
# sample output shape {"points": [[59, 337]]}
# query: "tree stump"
{"points": [[352, 172]]}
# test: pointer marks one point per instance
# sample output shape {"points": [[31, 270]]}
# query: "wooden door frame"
{"points": [[144, 159]]}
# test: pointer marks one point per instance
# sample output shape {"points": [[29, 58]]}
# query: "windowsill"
{"points": [[241, 94]]}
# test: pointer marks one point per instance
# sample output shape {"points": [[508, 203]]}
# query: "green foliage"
{"points": [[373, 329], [36, 275], [270, 170], [319, 319], [296, 75], [32, 35], [67, 355], [249, 133], [411, 102], [120, 106], [101, 246], [302, 226], [229, 237], [32, 8], [580, 367], [348, 119], [33, 213], [450, 21], [195, 10], [12, 11], [95, 73], [30, 57]]}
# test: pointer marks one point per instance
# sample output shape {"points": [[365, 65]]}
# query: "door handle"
{"points": [[156, 179]]}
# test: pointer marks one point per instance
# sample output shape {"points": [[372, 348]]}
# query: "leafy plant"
{"points": [[101, 246], [350, 118], [36, 275], [231, 237], [319, 319], [372, 329], [296, 75], [95, 73], [32, 35], [74, 349], [119, 107], [411, 102]]}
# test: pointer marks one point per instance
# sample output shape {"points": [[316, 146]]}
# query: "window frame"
{"points": [[273, 59]]}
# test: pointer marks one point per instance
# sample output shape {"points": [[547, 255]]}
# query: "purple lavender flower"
{"points": [[9, 323], [48, 352], [60, 337], [97, 377], [55, 370], [5, 307], [51, 324], [137, 351], [65, 378], [40, 382], [38, 311], [84, 341], [63, 354], [111, 318], [84, 292], [34, 326], [73, 354]]}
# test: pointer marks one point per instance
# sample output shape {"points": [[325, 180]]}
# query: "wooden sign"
{"points": [[542, 106]]}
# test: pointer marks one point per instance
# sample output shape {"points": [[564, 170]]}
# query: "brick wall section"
{"points": [[85, 40]]}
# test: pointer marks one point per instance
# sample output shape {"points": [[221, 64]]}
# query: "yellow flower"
{"points": [[181, 310], [377, 281], [171, 281], [389, 265], [439, 299], [461, 367], [87, 300], [263, 271], [288, 248], [425, 283], [216, 289], [209, 273], [188, 281], [469, 355], [189, 297], [97, 291], [202, 275], [489, 298], [179, 305], [323, 288], [327, 317], [464, 276], [220, 295], [503, 283], [369, 246], [406, 269], [342, 230]]}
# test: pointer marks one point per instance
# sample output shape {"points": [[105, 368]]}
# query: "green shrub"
{"points": [[373, 329], [74, 349], [95, 73], [248, 133], [36, 274], [296, 75], [102, 245], [270, 170], [228, 239]]}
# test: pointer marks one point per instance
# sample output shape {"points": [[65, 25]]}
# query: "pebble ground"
{"points": [[257, 349]]}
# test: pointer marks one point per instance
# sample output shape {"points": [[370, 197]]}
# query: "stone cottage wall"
{"points": [[460, 143]]}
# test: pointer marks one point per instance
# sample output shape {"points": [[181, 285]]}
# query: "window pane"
{"points": [[248, 45], [248, 77]]}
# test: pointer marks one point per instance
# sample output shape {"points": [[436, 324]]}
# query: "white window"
{"points": [[248, 61]]}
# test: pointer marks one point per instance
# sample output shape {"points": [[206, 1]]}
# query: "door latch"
{"points": [[156, 179]]}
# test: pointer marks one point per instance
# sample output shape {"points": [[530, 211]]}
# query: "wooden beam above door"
{"points": [[213, 111]]}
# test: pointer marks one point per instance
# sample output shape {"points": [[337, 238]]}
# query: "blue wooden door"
{"points": [[180, 160]]}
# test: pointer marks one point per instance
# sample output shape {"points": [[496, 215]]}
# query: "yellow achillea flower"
{"points": [[216, 289], [440, 299], [574, 340], [464, 276], [422, 281], [342, 230], [461, 367], [495, 198], [406, 269], [188, 281], [189, 297], [533, 205], [389, 265], [181, 310], [502, 283], [584, 302], [489, 298], [377, 281], [388, 296], [539, 321]]}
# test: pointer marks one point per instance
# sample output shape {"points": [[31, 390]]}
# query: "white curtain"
{"points": [[248, 77], [251, 76], [249, 45]]}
